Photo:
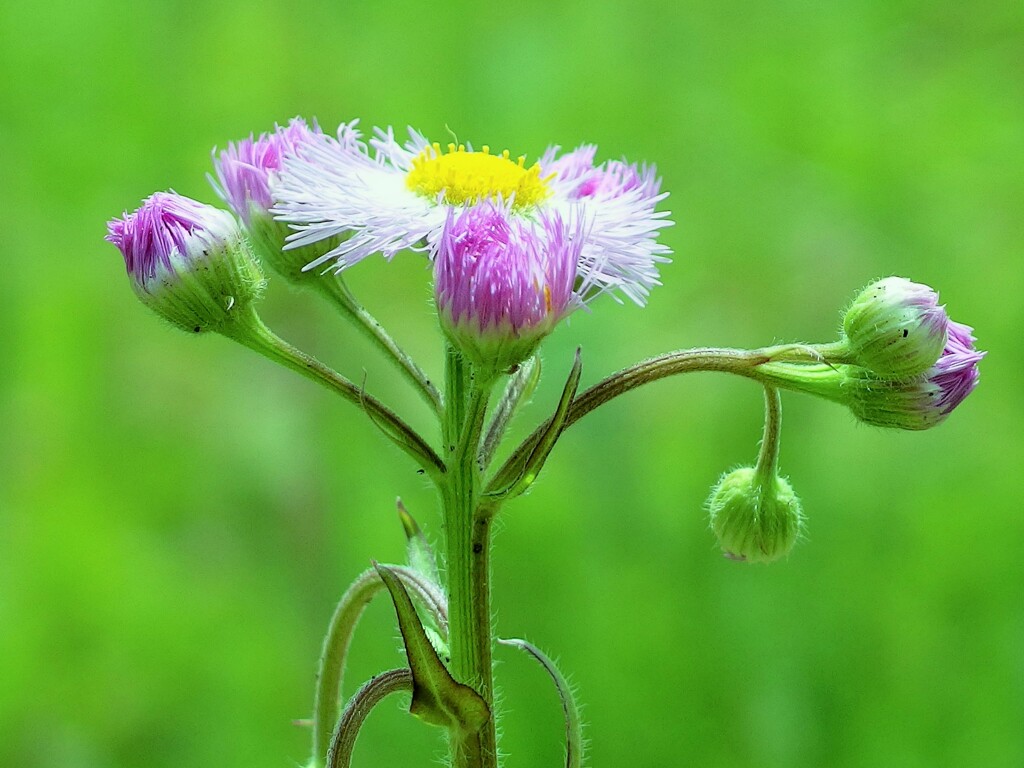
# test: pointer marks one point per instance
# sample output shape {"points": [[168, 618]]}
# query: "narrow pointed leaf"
{"points": [[418, 550], [339, 637], [519, 390], [522, 469], [436, 698], [573, 726]]}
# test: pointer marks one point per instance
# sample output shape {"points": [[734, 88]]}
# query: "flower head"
{"points": [[247, 169], [503, 282], [187, 261], [896, 328], [391, 196], [246, 174], [756, 518]]}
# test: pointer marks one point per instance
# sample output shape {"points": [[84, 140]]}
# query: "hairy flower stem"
{"points": [[741, 362], [337, 292], [467, 541], [768, 456], [250, 331], [369, 696]]}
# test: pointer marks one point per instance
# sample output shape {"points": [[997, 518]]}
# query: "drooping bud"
{"points": [[502, 283], [187, 261], [756, 518], [916, 403], [921, 402], [895, 328], [246, 174]]}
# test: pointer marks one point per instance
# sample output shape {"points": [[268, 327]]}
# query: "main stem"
{"points": [[467, 540]]}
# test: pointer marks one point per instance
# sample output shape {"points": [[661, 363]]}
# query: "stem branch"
{"points": [[251, 332], [335, 289]]}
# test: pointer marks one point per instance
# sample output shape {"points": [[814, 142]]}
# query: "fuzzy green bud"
{"points": [[189, 262], [269, 238], [895, 328], [756, 518]]}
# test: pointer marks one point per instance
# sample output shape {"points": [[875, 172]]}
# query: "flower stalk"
{"points": [[250, 331], [467, 547], [334, 289], [369, 696]]}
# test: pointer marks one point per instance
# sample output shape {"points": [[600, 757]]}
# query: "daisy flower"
{"points": [[515, 246], [392, 196]]}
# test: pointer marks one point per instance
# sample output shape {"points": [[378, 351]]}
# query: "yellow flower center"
{"points": [[468, 177]]}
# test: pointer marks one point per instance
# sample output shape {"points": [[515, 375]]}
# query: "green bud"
{"points": [[913, 404], [268, 238], [756, 519], [895, 328]]}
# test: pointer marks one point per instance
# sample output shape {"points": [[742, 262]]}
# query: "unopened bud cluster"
{"points": [[902, 362]]}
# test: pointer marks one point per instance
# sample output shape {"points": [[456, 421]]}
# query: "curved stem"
{"points": [[573, 726], [370, 695], [741, 362], [250, 331], [339, 637], [336, 291]]}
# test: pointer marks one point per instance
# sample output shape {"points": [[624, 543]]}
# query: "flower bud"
{"points": [[895, 328], [503, 283], [246, 174], [756, 518], [921, 402], [189, 262]]}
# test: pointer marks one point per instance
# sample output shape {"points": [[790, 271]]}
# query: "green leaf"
{"points": [[522, 469], [418, 550], [436, 697], [518, 391]]}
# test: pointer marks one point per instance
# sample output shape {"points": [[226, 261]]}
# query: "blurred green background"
{"points": [[177, 516]]}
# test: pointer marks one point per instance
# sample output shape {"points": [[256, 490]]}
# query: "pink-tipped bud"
{"points": [[187, 261], [247, 172], [921, 402], [503, 283], [247, 169], [896, 328]]}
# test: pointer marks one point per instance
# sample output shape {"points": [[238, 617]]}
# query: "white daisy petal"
{"points": [[333, 187]]}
